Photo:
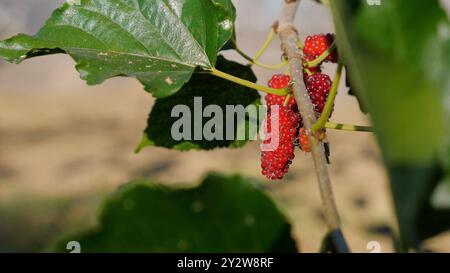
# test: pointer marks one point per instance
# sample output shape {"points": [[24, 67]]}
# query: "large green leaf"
{"points": [[398, 54], [223, 214], [160, 42], [212, 91]]}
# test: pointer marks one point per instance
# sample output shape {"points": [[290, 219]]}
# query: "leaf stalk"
{"points": [[328, 109], [249, 84]]}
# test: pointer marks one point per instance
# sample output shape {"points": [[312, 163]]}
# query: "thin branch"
{"points": [[289, 41], [256, 62], [265, 45], [249, 84]]}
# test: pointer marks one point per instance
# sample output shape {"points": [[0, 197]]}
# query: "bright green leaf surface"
{"points": [[212, 91], [223, 214], [159, 42]]}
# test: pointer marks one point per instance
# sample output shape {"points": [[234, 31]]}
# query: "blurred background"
{"points": [[65, 146]]}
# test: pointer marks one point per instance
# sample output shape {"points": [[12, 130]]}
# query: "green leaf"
{"points": [[402, 63], [159, 42], [223, 214], [212, 91], [398, 55]]}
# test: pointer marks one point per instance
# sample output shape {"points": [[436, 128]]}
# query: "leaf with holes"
{"points": [[159, 42]]}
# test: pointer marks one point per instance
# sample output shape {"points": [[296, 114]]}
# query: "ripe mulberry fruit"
{"points": [[279, 81], [319, 86], [272, 100], [275, 163], [318, 44]]}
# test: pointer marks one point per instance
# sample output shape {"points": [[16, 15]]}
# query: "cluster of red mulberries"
{"points": [[275, 163], [317, 83]]}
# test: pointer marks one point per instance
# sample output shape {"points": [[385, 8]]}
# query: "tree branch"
{"points": [[289, 40]]}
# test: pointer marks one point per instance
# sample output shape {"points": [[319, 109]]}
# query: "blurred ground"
{"points": [[64, 146]]}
